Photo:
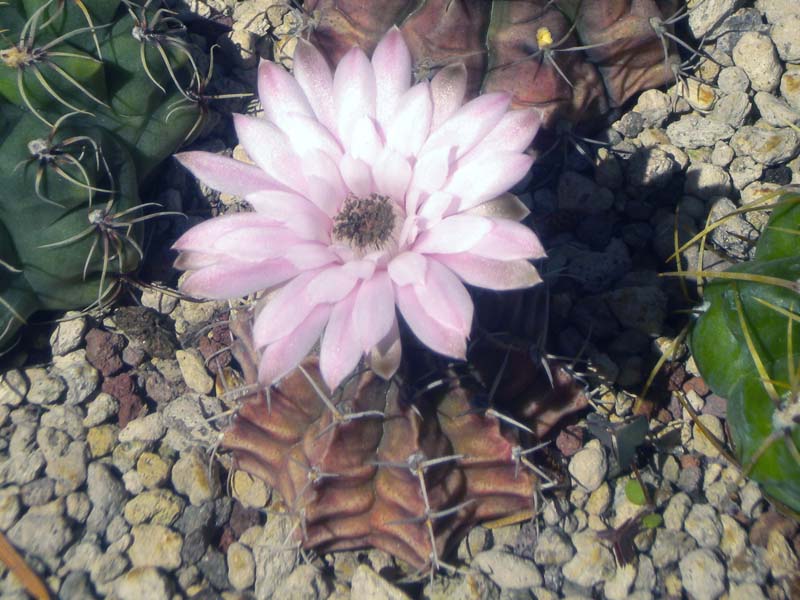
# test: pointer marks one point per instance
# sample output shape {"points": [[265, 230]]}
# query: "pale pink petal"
{"points": [[470, 124], [191, 260], [284, 311], [285, 354], [326, 189], [353, 92], [392, 173], [504, 206], [202, 236], [280, 94], [366, 143], [228, 175], [232, 279], [481, 180], [307, 135], [271, 150], [429, 331], [408, 129], [384, 358], [448, 87], [458, 233], [445, 298], [408, 268], [357, 176], [254, 244], [340, 351], [373, 312], [514, 133], [433, 168], [293, 211], [314, 76], [310, 256], [391, 62], [509, 240], [331, 285], [361, 269], [491, 274], [437, 206]]}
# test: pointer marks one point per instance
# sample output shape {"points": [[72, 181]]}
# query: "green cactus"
{"points": [[94, 94], [747, 347]]}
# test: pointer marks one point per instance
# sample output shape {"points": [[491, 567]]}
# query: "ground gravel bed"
{"points": [[110, 487]]}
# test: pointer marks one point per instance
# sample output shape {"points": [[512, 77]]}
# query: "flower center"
{"points": [[365, 222]]}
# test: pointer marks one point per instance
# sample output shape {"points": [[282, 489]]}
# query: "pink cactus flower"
{"points": [[368, 193]]}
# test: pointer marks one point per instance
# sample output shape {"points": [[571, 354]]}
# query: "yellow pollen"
{"points": [[543, 37], [14, 57]]}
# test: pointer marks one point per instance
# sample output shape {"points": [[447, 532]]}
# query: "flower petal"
{"points": [[436, 207], [448, 87], [326, 189], [314, 76], [366, 142], [340, 351], [307, 256], [373, 311], [470, 124], [294, 212], [330, 286], [357, 176], [458, 233], [408, 268], [280, 93], [429, 331], [353, 92], [445, 298], [307, 134], [254, 244], [392, 174], [228, 175], [283, 312], [286, 353], [391, 62], [408, 129], [491, 274], [231, 278], [509, 240], [514, 133], [384, 358], [480, 180], [202, 236], [271, 150], [504, 206]]}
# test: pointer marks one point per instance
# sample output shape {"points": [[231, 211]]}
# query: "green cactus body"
{"points": [[747, 347], [87, 112]]}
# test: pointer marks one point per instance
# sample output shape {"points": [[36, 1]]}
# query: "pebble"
{"points": [[553, 547], [272, 564], [9, 509], [722, 155], [669, 546], [108, 567], [163, 303], [190, 477], [141, 583], [653, 167], [582, 195], [42, 531], [13, 388], [304, 583], [194, 371], [676, 511], [733, 79], [160, 507], [776, 111], [81, 556], [78, 506], [706, 181], [619, 586], [588, 468], [592, 563], [102, 440], [700, 441], [249, 490], [507, 570], [744, 171], [43, 388], [149, 428], [186, 423], [702, 575], [705, 16], [155, 546], [780, 558], [99, 410], [703, 524], [152, 469], [68, 334], [756, 54], [746, 591], [693, 131], [242, 567], [734, 538], [641, 308], [654, 106], [107, 496], [784, 36], [81, 377], [69, 469], [732, 110], [790, 88]]}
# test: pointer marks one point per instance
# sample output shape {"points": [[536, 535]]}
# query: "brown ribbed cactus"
{"points": [[378, 465], [572, 59]]}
